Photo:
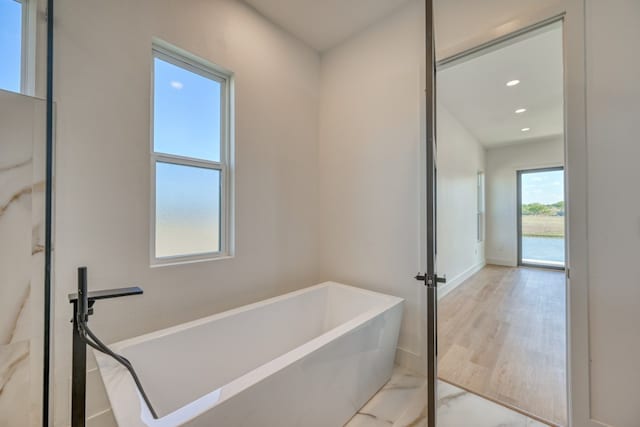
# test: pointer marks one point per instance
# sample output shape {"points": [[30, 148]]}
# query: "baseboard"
{"points": [[410, 360], [102, 419], [459, 279], [502, 262]]}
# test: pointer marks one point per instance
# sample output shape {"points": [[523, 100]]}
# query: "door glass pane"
{"points": [[187, 210], [186, 108], [543, 217], [10, 45]]}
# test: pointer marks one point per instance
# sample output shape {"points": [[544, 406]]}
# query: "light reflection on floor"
{"points": [[401, 403]]}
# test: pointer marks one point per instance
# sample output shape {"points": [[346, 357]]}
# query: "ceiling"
{"points": [[475, 90], [323, 24]]}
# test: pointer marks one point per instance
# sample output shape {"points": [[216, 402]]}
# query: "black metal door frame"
{"points": [[46, 360], [430, 278]]}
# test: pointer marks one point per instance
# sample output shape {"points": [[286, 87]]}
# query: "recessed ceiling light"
{"points": [[176, 85], [526, 129], [511, 83], [520, 110]]}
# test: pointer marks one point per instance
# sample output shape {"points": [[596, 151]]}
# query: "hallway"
{"points": [[502, 335]]}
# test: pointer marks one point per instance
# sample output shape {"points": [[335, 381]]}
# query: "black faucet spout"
{"points": [[85, 299]]}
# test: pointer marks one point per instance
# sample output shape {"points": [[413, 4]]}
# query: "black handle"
{"points": [[429, 280]]}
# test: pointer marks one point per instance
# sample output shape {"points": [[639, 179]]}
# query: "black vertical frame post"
{"points": [[431, 279], [79, 355], [78, 376], [46, 373]]}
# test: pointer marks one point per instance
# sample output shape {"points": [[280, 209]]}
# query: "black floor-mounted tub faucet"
{"points": [[83, 302]]}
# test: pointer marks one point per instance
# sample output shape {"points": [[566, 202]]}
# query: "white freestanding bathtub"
{"points": [[308, 358]]}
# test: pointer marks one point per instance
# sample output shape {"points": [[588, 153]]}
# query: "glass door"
{"points": [[541, 220]]}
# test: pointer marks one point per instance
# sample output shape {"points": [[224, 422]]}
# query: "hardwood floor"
{"points": [[502, 336]]}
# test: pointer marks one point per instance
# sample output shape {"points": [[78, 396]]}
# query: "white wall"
{"points": [[613, 110], [370, 155], [502, 192], [460, 158], [103, 65]]}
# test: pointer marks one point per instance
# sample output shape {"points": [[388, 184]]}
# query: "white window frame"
{"points": [[189, 62], [481, 201]]}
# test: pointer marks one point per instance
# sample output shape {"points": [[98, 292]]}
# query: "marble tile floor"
{"points": [[401, 403]]}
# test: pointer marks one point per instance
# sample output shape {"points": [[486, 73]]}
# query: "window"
{"points": [[541, 225], [191, 152], [12, 26], [481, 206]]}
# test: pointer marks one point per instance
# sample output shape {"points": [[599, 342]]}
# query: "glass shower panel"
{"points": [[22, 183]]}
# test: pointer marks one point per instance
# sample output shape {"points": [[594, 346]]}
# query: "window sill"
{"points": [[177, 262]]}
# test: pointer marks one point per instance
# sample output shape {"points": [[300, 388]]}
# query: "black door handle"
{"points": [[424, 278]]}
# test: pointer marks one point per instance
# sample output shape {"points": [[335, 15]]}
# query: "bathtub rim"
{"points": [[111, 370]]}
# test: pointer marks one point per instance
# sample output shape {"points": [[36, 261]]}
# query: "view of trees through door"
{"points": [[541, 215]]}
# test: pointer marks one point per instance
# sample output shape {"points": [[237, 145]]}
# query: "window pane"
{"points": [[186, 118], [10, 44], [187, 210], [543, 228]]}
